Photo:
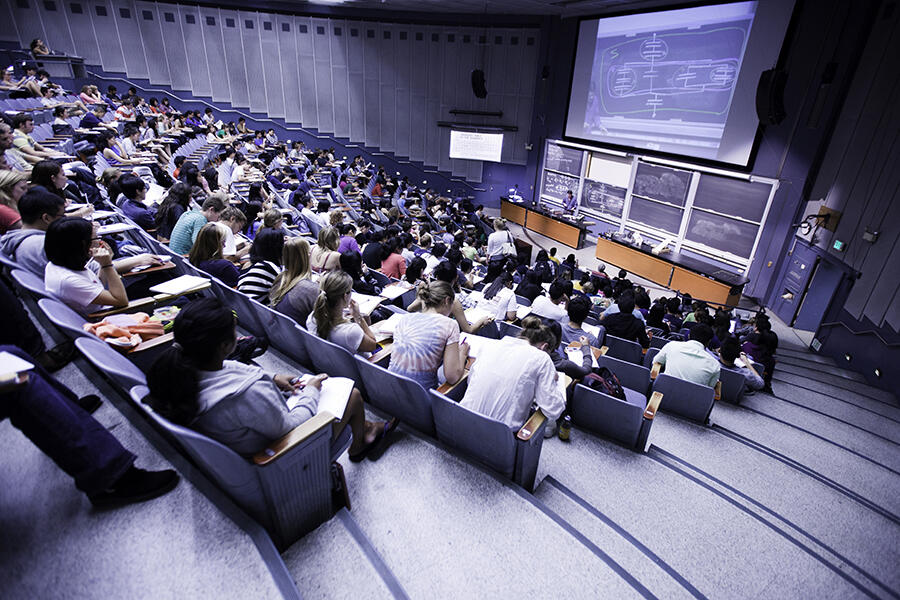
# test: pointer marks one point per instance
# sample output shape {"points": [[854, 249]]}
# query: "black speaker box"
{"points": [[770, 97], [478, 86]]}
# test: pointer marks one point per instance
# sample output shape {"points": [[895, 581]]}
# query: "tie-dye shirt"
{"points": [[419, 342]]}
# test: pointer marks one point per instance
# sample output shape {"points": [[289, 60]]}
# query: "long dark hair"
{"points": [[68, 242], [414, 269], [351, 264], [179, 195], [173, 380], [502, 280], [268, 245], [43, 173]]}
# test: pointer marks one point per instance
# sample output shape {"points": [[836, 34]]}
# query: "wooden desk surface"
{"points": [[553, 229]]}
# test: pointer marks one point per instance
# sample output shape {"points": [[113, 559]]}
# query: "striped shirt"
{"points": [[258, 279]]}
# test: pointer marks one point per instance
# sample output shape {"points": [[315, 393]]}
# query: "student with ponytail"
{"points": [[327, 318], [513, 375], [500, 299], [426, 340], [238, 405]]}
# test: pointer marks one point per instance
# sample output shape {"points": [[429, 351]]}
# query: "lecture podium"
{"points": [[566, 231], [675, 271]]}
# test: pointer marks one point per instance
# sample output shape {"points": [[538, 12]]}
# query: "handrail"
{"points": [[270, 120], [866, 332]]}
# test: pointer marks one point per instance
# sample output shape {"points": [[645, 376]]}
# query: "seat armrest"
{"points": [[294, 437], [604, 350], [132, 304], [157, 341], [654, 372], [531, 425], [653, 405], [718, 395], [382, 355], [447, 388]]}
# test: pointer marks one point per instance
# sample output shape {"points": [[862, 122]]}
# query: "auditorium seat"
{"points": [[624, 349], [630, 375], [398, 396], [286, 488], [684, 398], [63, 317], [514, 454], [624, 421]]}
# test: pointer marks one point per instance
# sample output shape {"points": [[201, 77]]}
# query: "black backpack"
{"points": [[604, 380]]}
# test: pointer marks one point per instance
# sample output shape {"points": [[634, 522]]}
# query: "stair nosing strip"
{"points": [[622, 532], [840, 387], [365, 544], [753, 515]]}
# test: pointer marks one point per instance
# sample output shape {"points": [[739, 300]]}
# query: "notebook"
{"points": [[395, 290], [333, 396], [575, 355], [367, 303], [179, 285], [11, 365], [115, 228], [385, 329], [477, 343]]}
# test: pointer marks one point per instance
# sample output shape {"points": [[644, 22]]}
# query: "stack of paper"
{"points": [[577, 357], [594, 330], [395, 290], [114, 228]]}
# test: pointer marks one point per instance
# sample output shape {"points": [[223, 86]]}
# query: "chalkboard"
{"points": [[744, 199], [721, 233], [655, 214], [556, 185], [561, 158], [662, 183], [603, 198]]}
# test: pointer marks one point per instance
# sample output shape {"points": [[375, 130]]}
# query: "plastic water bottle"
{"points": [[565, 428]]}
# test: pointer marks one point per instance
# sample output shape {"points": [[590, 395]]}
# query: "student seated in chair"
{"points": [[510, 377], [206, 255], [424, 341], [578, 309], [327, 318], [624, 324], [85, 287], [239, 405], [690, 360], [729, 355], [294, 292], [500, 298], [134, 191]]}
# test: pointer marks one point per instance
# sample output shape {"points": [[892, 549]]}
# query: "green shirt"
{"points": [[185, 232]]}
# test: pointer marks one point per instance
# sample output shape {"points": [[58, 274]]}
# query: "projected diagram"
{"points": [[683, 77]]}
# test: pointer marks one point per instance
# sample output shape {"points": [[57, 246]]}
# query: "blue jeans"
{"points": [[46, 412]]}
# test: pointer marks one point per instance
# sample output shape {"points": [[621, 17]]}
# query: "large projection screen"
{"points": [[676, 82]]}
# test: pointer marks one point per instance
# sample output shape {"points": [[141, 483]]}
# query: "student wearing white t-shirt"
{"points": [[500, 298], [554, 307], [232, 221], [327, 317], [68, 247]]}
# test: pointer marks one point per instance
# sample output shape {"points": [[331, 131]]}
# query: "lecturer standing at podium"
{"points": [[570, 203]]}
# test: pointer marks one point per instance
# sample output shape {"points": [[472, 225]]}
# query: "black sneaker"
{"points": [[136, 485], [89, 403], [57, 357]]}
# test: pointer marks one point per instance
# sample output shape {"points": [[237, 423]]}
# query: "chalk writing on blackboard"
{"points": [[662, 183], [560, 158], [603, 198], [556, 185]]}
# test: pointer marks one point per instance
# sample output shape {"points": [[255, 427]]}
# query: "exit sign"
{"points": [[839, 245]]}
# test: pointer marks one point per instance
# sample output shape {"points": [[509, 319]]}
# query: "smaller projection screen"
{"points": [[471, 145], [679, 82]]}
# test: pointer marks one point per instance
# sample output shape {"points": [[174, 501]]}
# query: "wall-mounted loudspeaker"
{"points": [[770, 97], [478, 85]]}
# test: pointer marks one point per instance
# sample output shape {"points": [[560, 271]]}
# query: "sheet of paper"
{"points": [[115, 228], [594, 330], [387, 326], [367, 303], [333, 396], [575, 355], [522, 312], [10, 363], [477, 343], [179, 285], [474, 315], [97, 215], [73, 207], [395, 290]]}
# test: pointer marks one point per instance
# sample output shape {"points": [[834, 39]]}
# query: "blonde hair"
{"points": [[8, 179], [272, 216], [109, 175], [435, 293], [329, 239], [295, 260], [333, 287], [208, 245], [500, 224], [534, 330]]}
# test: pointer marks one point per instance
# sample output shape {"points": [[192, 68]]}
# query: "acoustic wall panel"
{"points": [[83, 34], [435, 56], [321, 34], [306, 64], [402, 59], [28, 22], [356, 83], [195, 46], [126, 21], [104, 15], [151, 32], [225, 55], [388, 89], [340, 79], [249, 26], [372, 93], [11, 32], [173, 47], [418, 79], [56, 26], [290, 76], [271, 59]]}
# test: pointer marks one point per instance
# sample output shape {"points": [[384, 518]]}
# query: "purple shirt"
{"points": [[348, 243]]}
